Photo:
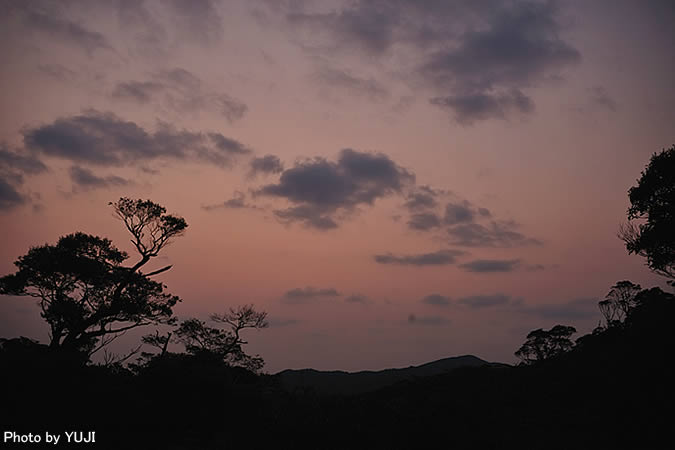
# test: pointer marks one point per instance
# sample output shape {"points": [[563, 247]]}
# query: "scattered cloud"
{"points": [[428, 320], [319, 189], [495, 234], [577, 309], [238, 201], [600, 97], [458, 213], [307, 294], [421, 198], [357, 298], [105, 139], [436, 300], [438, 258], [14, 166], [265, 165], [57, 71], [197, 20], [86, 179], [182, 91], [21, 163], [484, 301], [349, 84], [474, 107], [281, 322], [491, 265], [424, 221], [140, 91], [9, 196], [47, 19], [479, 56]]}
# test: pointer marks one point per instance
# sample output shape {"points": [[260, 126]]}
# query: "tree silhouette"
{"points": [[653, 199], [226, 344], [85, 294], [619, 301], [542, 345]]}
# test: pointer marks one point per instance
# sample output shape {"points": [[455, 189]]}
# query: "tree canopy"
{"points": [[85, 293], [544, 344], [225, 344], [653, 201]]}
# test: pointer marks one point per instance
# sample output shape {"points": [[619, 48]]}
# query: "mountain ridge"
{"points": [[336, 382]]}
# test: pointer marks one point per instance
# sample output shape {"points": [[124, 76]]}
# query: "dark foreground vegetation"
{"points": [[612, 388]]}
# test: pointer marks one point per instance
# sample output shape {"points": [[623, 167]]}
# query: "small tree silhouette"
{"points": [[619, 301], [225, 344], [542, 345]]}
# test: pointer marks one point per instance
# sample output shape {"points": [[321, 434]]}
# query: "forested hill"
{"points": [[340, 382]]}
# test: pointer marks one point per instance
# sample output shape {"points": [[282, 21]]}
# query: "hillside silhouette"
{"points": [[340, 382]]}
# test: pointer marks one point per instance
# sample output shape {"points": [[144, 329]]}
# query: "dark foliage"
{"points": [[542, 345], [653, 200], [612, 390]]}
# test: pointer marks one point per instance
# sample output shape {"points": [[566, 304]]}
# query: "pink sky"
{"points": [[491, 147]]}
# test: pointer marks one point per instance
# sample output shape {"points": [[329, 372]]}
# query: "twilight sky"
{"points": [[392, 181]]}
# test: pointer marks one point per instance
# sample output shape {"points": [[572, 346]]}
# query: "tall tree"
{"points": [[85, 293], [653, 201]]}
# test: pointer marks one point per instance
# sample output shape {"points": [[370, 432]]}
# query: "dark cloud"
{"points": [[364, 25], [304, 295], [600, 97], [473, 107], [458, 213], [9, 196], [439, 258], [140, 91], [47, 19], [577, 309], [25, 164], [308, 215], [478, 55], [421, 198], [357, 298], [268, 164], [495, 234], [352, 85], [179, 78], [149, 34], [277, 323], [197, 20], [427, 320], [238, 201], [491, 265], [520, 44], [424, 221], [319, 189], [14, 167], [436, 300], [86, 179], [181, 91], [57, 71], [484, 301], [229, 145], [105, 139]]}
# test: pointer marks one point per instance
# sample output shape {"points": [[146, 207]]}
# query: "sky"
{"points": [[393, 182]]}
